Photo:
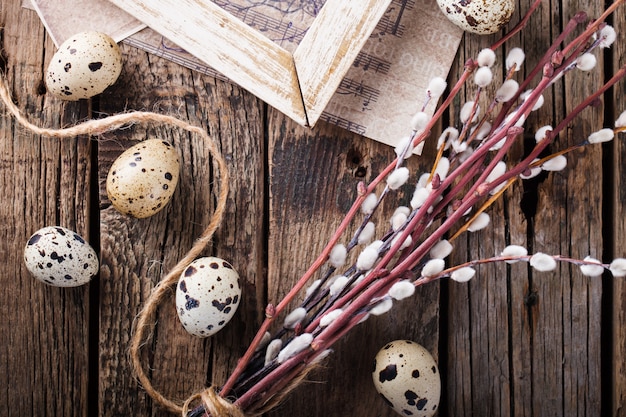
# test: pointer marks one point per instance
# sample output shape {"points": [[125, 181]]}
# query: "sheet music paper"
{"points": [[385, 86]]}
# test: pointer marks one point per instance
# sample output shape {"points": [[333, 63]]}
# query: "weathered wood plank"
{"points": [[230, 46], [44, 353], [313, 181], [136, 253], [512, 333], [618, 311]]}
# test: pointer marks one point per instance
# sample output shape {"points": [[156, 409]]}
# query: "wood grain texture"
{"points": [[616, 152], [513, 342], [137, 253], [522, 342], [228, 45], [44, 353]]}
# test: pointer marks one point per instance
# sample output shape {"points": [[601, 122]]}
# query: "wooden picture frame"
{"points": [[301, 84]]}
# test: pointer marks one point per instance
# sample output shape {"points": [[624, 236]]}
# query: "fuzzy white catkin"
{"points": [[607, 36], [313, 287], [558, 163], [264, 341], [542, 262], [483, 131], [441, 249], [402, 145], [401, 290], [297, 345], [295, 317], [486, 58], [621, 120], [338, 255], [443, 166], [419, 197], [330, 317], [402, 209], [398, 178], [397, 221], [586, 62], [480, 222], [448, 135], [466, 112], [369, 203], [337, 286], [273, 349], [540, 100], [423, 180], [459, 146], [368, 257], [463, 274], [506, 91], [496, 172], [419, 121], [514, 251], [618, 267], [433, 267], [382, 307], [367, 234], [602, 135], [541, 133], [483, 77], [591, 270], [436, 87], [515, 57]]}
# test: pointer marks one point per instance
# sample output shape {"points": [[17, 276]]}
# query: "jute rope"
{"points": [[217, 406]]}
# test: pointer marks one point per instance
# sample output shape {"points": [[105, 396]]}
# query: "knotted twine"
{"points": [[216, 405]]}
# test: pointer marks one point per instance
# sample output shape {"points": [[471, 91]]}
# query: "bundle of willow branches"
{"points": [[365, 267]]}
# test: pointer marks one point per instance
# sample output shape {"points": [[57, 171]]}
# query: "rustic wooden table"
{"points": [[511, 342]]}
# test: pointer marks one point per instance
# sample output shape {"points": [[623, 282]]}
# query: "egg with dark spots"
{"points": [[84, 66], [407, 378], [207, 296], [142, 180], [478, 16], [60, 257]]}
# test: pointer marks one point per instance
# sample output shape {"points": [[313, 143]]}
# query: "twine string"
{"points": [[216, 405]]}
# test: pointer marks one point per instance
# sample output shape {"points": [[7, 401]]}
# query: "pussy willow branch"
{"points": [[465, 184]]}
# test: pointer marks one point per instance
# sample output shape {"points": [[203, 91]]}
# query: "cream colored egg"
{"points": [[84, 66], [60, 257], [478, 16], [406, 376], [143, 179], [207, 296]]}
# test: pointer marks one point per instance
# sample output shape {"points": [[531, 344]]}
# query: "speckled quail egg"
{"points": [[84, 66], [142, 180], [407, 378], [207, 296], [478, 16], [60, 257]]}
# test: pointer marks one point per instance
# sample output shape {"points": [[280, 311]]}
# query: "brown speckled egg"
{"points": [[84, 66], [478, 16], [407, 378], [207, 296], [143, 179], [60, 257]]}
